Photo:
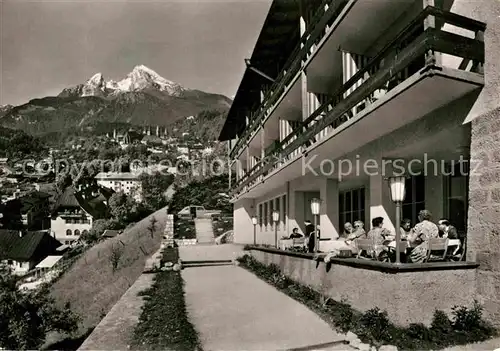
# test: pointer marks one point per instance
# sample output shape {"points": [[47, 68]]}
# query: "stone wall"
{"points": [[408, 297], [483, 234]]}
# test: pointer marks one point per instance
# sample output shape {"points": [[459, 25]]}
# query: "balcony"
{"points": [[413, 73], [326, 13]]}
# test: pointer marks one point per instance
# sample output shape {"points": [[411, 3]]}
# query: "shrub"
{"points": [[343, 315], [115, 256], [471, 321], [376, 325], [441, 324]]}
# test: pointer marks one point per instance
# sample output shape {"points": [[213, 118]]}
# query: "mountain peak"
{"points": [[139, 79], [95, 86]]}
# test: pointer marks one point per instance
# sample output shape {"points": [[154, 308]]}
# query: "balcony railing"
{"points": [[312, 35], [381, 74]]}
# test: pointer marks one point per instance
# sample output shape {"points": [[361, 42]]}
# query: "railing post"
{"points": [[431, 57], [479, 65]]}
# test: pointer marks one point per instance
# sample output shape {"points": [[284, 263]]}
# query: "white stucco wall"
{"points": [[59, 226]]}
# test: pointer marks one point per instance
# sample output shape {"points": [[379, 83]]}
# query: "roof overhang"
{"points": [[277, 39]]}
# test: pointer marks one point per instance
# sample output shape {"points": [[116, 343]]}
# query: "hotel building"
{"points": [[336, 91]]}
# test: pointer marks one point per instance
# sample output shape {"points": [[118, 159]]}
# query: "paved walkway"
{"points": [[210, 252], [234, 310]]}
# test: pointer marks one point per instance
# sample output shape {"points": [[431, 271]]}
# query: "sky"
{"points": [[46, 46]]}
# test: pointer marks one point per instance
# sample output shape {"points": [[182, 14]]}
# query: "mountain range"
{"points": [[143, 97]]}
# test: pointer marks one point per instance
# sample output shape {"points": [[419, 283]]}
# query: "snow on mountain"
{"points": [[95, 86], [139, 79]]}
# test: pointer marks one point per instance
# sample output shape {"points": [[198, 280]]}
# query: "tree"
{"points": [[63, 180], [98, 227], [154, 187], [115, 256], [210, 193], [152, 226], [27, 317], [123, 208]]}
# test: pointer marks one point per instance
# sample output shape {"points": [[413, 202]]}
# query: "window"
{"points": [[77, 232], [85, 232], [266, 216], [285, 205], [414, 200], [277, 206], [352, 206], [456, 195], [9, 262], [68, 232], [271, 210], [260, 216]]}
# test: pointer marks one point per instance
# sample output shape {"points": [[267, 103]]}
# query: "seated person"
{"points": [[359, 232], [295, 234], [348, 229], [446, 230], [359, 229], [379, 235], [420, 236], [405, 228]]}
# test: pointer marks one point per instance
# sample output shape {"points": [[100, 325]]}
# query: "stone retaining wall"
{"points": [[408, 297], [483, 232]]}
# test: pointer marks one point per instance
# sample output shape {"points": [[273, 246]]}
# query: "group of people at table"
{"points": [[415, 238]]}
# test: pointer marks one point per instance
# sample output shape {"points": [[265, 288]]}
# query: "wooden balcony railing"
{"points": [[293, 65], [383, 72]]}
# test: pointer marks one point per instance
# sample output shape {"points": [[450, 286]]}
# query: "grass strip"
{"points": [[164, 322]]}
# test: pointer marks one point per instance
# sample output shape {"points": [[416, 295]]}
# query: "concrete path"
{"points": [[210, 252], [234, 310], [117, 327], [204, 230]]}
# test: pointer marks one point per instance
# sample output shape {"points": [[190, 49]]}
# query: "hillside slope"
{"points": [[90, 285]]}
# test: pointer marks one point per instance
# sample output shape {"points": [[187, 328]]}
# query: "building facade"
{"points": [[126, 182], [74, 213], [339, 95]]}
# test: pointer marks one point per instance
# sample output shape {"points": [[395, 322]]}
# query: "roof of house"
{"points": [[151, 138], [278, 38], [117, 176], [109, 233], [26, 247], [93, 205], [49, 262]]}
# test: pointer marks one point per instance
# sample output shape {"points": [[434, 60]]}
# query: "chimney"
{"points": [[114, 133], [157, 131], [20, 233]]}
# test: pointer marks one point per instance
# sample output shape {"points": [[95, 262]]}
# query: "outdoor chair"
{"points": [[365, 245], [299, 242], [435, 245], [390, 254]]}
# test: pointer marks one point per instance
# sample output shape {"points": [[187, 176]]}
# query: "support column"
{"points": [[329, 214], [380, 202], [242, 216]]}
